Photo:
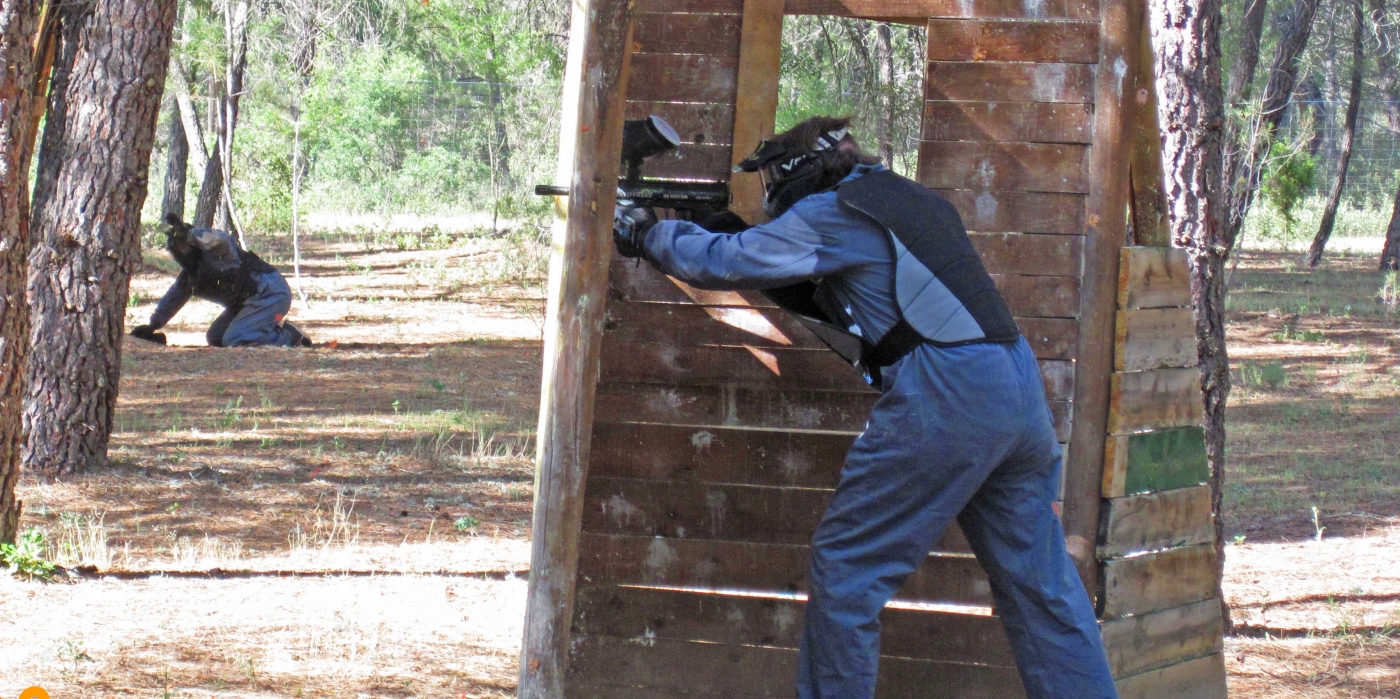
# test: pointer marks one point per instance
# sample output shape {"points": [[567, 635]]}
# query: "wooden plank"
{"points": [[669, 32], [1154, 338], [1027, 296], [1000, 40], [1034, 167], [1156, 521], [1151, 641], [694, 122], [1029, 253], [1153, 461], [1154, 278], [1051, 338], [697, 510], [1039, 297], [1203, 678], [691, 161], [776, 621], [1106, 217], [1148, 201], [1008, 122], [773, 368], [666, 77], [1157, 581], [1154, 400], [1018, 212], [590, 148], [735, 406], [968, 9], [715, 455], [756, 106], [688, 325], [604, 665], [706, 563], [1010, 82], [716, 7], [732, 406]]}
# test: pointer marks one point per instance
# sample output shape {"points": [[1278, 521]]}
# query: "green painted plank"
{"points": [[1155, 461]]}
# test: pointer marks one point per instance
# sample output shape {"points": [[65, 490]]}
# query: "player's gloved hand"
{"points": [[630, 226], [144, 332], [724, 222]]}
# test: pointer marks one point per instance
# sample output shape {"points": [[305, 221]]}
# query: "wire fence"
{"points": [[1316, 127]]}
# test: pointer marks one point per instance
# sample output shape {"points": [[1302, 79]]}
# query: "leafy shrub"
{"points": [[25, 557]]}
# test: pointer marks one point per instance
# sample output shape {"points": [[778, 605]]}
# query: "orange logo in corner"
{"points": [[34, 693]]}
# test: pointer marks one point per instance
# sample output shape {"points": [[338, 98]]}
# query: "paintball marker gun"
{"points": [[642, 139]]}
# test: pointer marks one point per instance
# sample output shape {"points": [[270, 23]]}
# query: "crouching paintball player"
{"points": [[961, 431], [254, 295]]}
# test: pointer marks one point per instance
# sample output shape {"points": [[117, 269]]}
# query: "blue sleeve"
{"points": [[783, 251], [172, 301]]}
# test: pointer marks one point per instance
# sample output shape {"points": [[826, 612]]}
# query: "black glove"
{"points": [[724, 222], [630, 226], [144, 332]]}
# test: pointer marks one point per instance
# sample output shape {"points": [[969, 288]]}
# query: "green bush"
{"points": [[25, 557]]}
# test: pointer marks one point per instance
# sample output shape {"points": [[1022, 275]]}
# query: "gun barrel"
{"points": [[551, 190]]}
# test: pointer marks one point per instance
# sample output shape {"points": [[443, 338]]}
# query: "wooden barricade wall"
{"points": [[720, 424]]}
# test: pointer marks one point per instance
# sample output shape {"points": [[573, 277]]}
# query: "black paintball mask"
{"points": [[178, 242], [790, 173]]}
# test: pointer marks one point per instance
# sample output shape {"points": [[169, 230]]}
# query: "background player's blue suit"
{"points": [[960, 432]]}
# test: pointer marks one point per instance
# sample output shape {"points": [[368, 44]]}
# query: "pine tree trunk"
{"points": [[1334, 197], [1247, 60], [176, 164], [1244, 169], [1390, 254], [884, 50], [1187, 38], [92, 182], [19, 20]]}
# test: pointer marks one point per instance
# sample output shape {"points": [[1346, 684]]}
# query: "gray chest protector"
{"points": [[944, 293]]}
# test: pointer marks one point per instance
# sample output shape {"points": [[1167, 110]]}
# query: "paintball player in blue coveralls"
{"points": [[961, 430], [254, 295]]}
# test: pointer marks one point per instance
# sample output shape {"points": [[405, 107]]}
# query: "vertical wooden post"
{"points": [[756, 103], [1149, 203], [589, 150], [1106, 223]]}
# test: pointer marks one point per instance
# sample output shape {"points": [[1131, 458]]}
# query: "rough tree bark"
{"points": [[1247, 61], [1187, 38], [19, 20], [1334, 197], [96, 152], [1244, 168]]}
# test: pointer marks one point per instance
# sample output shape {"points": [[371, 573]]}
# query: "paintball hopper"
{"points": [[643, 138]]}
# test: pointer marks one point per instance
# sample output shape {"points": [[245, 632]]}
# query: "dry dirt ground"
{"points": [[366, 503]]}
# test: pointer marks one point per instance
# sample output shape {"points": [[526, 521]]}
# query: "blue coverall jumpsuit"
{"points": [[960, 432], [255, 321]]}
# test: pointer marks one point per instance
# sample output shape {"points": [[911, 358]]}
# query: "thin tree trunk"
{"points": [[211, 190], [1247, 59], [884, 51], [86, 222], [19, 22], [189, 117], [236, 36], [1334, 197], [1187, 34], [176, 162], [1244, 168], [1390, 254]]}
